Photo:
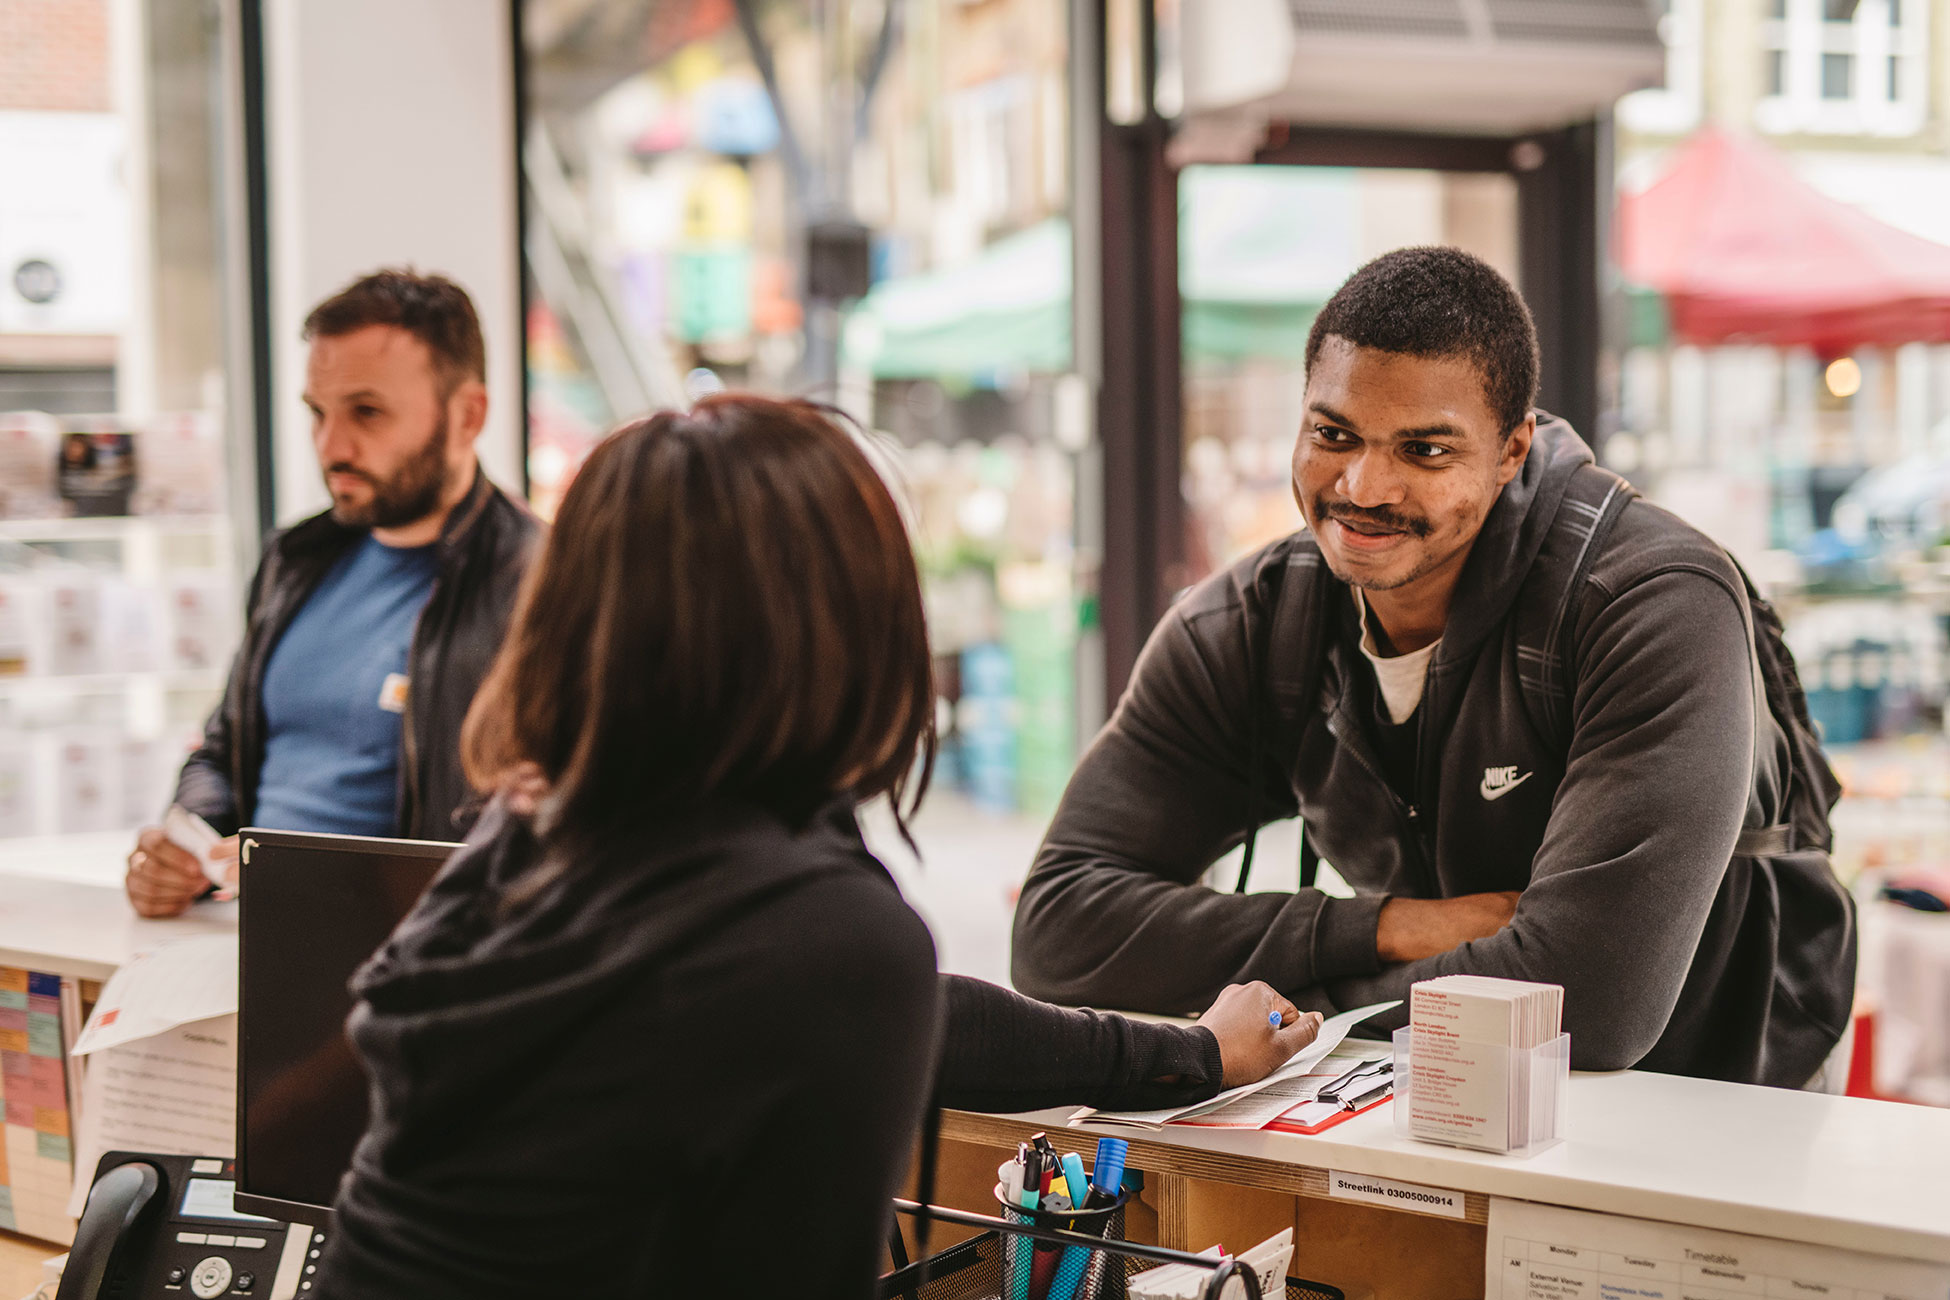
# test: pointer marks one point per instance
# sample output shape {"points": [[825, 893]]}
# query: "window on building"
{"points": [[1673, 108], [1837, 76], [1854, 67]]}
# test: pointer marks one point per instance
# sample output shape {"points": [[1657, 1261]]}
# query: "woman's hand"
{"points": [[1250, 1048]]}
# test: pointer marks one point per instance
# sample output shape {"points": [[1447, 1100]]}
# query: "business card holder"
{"points": [[1507, 1100]]}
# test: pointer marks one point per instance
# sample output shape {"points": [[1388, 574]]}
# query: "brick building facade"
{"points": [[54, 55]]}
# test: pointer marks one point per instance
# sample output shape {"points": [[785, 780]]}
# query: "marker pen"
{"points": [[1107, 1178], [1079, 1185]]}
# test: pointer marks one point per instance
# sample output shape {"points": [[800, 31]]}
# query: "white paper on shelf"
{"points": [[1332, 1031], [1543, 1252], [174, 1093], [185, 980]]}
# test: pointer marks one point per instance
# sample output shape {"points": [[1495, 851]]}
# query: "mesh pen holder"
{"points": [[1062, 1272], [976, 1269]]}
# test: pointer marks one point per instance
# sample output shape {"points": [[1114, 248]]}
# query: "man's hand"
{"points": [[1249, 1047], [224, 854], [163, 880], [1413, 928]]}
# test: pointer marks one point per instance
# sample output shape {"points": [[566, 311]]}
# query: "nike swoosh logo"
{"points": [[1497, 792]]}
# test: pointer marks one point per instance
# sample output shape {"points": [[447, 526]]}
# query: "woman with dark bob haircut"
{"points": [[664, 1027]]}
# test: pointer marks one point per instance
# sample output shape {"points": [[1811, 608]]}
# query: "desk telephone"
{"points": [[163, 1228]]}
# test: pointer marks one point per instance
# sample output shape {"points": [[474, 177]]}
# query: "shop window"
{"points": [[1843, 67], [122, 520], [889, 232]]}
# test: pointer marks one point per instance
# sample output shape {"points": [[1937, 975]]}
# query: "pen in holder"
{"points": [[1503, 1099], [1065, 1272]]}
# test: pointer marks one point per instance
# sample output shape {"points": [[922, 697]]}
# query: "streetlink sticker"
{"points": [[1396, 1196]]}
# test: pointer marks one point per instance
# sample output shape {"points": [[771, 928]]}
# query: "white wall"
{"points": [[390, 137]]}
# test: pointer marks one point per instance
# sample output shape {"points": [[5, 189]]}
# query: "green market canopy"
{"points": [[1260, 249]]}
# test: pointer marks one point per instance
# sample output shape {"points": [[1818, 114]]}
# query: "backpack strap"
{"points": [[1284, 654], [1592, 503]]}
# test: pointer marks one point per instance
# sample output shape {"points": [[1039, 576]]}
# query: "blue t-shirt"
{"points": [[335, 693]]}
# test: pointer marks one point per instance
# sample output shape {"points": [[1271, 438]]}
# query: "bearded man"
{"points": [[371, 625]]}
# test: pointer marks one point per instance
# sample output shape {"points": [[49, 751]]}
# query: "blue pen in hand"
{"points": [[1274, 1018]]}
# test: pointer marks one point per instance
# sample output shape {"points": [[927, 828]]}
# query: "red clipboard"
{"points": [[1284, 1125]]}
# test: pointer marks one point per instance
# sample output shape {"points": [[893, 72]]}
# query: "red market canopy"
{"points": [[1744, 251]]}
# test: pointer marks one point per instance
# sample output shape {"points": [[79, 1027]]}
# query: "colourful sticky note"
{"points": [[45, 1005], [47, 986], [44, 1035], [13, 1000], [51, 1120], [20, 1113], [53, 1148], [13, 979], [13, 1040]]}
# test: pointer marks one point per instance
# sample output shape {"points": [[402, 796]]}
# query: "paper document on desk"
{"points": [[183, 981], [1261, 1108], [174, 1093], [1544, 1252], [1332, 1031]]}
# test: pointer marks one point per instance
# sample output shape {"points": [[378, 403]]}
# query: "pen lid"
{"points": [[1108, 1175], [1073, 1177]]}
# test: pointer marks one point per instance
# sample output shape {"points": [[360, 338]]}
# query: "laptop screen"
{"points": [[312, 909]]}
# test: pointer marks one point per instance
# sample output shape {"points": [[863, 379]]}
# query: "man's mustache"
{"points": [[341, 467], [1381, 517]]}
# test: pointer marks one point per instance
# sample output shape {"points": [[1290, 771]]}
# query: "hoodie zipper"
{"points": [[1408, 814]]}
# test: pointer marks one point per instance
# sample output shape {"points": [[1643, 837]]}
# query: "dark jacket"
{"points": [[696, 1067], [1674, 954], [485, 548]]}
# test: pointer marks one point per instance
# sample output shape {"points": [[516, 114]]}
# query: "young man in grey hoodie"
{"points": [[1369, 674]]}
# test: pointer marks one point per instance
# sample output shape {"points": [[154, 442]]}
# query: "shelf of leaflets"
{"points": [[111, 528], [40, 685]]}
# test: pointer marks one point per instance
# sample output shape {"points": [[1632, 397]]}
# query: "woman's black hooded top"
{"points": [[696, 1065]]}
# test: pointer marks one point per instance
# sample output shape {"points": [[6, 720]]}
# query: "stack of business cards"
{"points": [[1478, 1052]]}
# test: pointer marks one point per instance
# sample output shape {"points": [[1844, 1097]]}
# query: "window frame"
{"points": [[1805, 38]]}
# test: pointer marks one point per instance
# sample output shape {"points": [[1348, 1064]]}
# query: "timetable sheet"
{"points": [[1544, 1252]]}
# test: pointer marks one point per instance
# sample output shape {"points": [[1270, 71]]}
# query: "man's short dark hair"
{"points": [[432, 308], [1440, 302]]}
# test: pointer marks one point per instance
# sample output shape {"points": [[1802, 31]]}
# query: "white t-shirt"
{"points": [[1400, 676]]}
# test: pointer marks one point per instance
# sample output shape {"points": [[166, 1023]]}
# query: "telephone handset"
{"points": [[162, 1227]]}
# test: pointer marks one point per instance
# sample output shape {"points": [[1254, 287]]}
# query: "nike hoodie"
{"points": [[1675, 955]]}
